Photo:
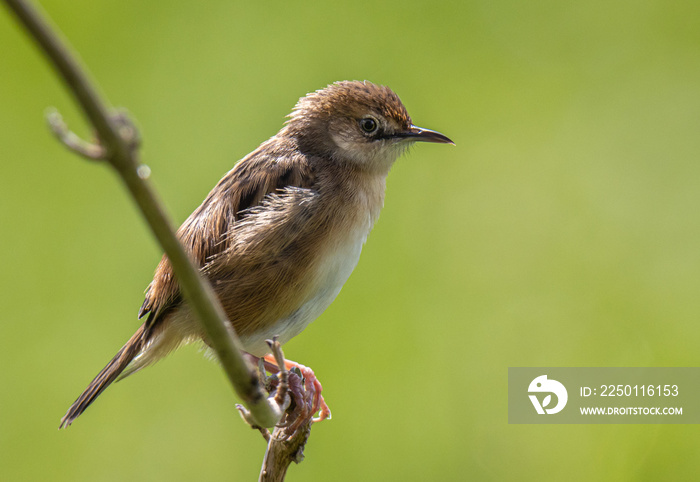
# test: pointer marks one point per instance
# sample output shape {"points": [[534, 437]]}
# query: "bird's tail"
{"points": [[105, 378]]}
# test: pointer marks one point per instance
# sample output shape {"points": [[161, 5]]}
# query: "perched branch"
{"points": [[286, 443], [117, 144]]}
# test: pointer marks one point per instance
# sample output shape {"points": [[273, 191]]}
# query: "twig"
{"points": [[117, 145], [282, 451], [72, 141]]}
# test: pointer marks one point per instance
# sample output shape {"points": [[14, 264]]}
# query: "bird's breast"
{"points": [[336, 258]]}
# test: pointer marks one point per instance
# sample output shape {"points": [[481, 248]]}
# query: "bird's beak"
{"points": [[415, 133]]}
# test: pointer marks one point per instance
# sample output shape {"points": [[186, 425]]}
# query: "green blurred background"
{"points": [[562, 230]]}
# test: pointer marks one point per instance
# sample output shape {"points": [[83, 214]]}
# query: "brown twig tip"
{"points": [[281, 394], [276, 349], [71, 140]]}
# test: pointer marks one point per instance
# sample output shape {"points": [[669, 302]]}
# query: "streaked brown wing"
{"points": [[204, 234]]}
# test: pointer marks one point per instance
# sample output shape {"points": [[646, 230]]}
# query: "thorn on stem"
{"points": [[248, 418]]}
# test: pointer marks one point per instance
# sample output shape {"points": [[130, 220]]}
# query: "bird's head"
{"points": [[360, 123]]}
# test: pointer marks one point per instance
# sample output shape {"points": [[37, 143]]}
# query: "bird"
{"points": [[282, 231]]}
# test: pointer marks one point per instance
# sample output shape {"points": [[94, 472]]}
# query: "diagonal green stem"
{"points": [[118, 137]]}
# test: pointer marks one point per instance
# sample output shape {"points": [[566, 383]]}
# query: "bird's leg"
{"points": [[301, 412], [281, 380], [311, 386], [297, 391]]}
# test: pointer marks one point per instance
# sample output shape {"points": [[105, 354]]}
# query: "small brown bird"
{"points": [[281, 232]]}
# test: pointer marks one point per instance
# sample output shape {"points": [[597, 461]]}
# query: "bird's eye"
{"points": [[368, 125]]}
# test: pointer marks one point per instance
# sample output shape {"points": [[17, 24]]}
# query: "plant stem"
{"points": [[119, 139]]}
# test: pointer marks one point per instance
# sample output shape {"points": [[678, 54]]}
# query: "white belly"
{"points": [[333, 272]]}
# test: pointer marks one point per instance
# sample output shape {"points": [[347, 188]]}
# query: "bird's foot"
{"points": [[309, 377], [304, 387]]}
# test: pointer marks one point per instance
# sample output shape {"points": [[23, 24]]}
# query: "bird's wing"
{"points": [[264, 172]]}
